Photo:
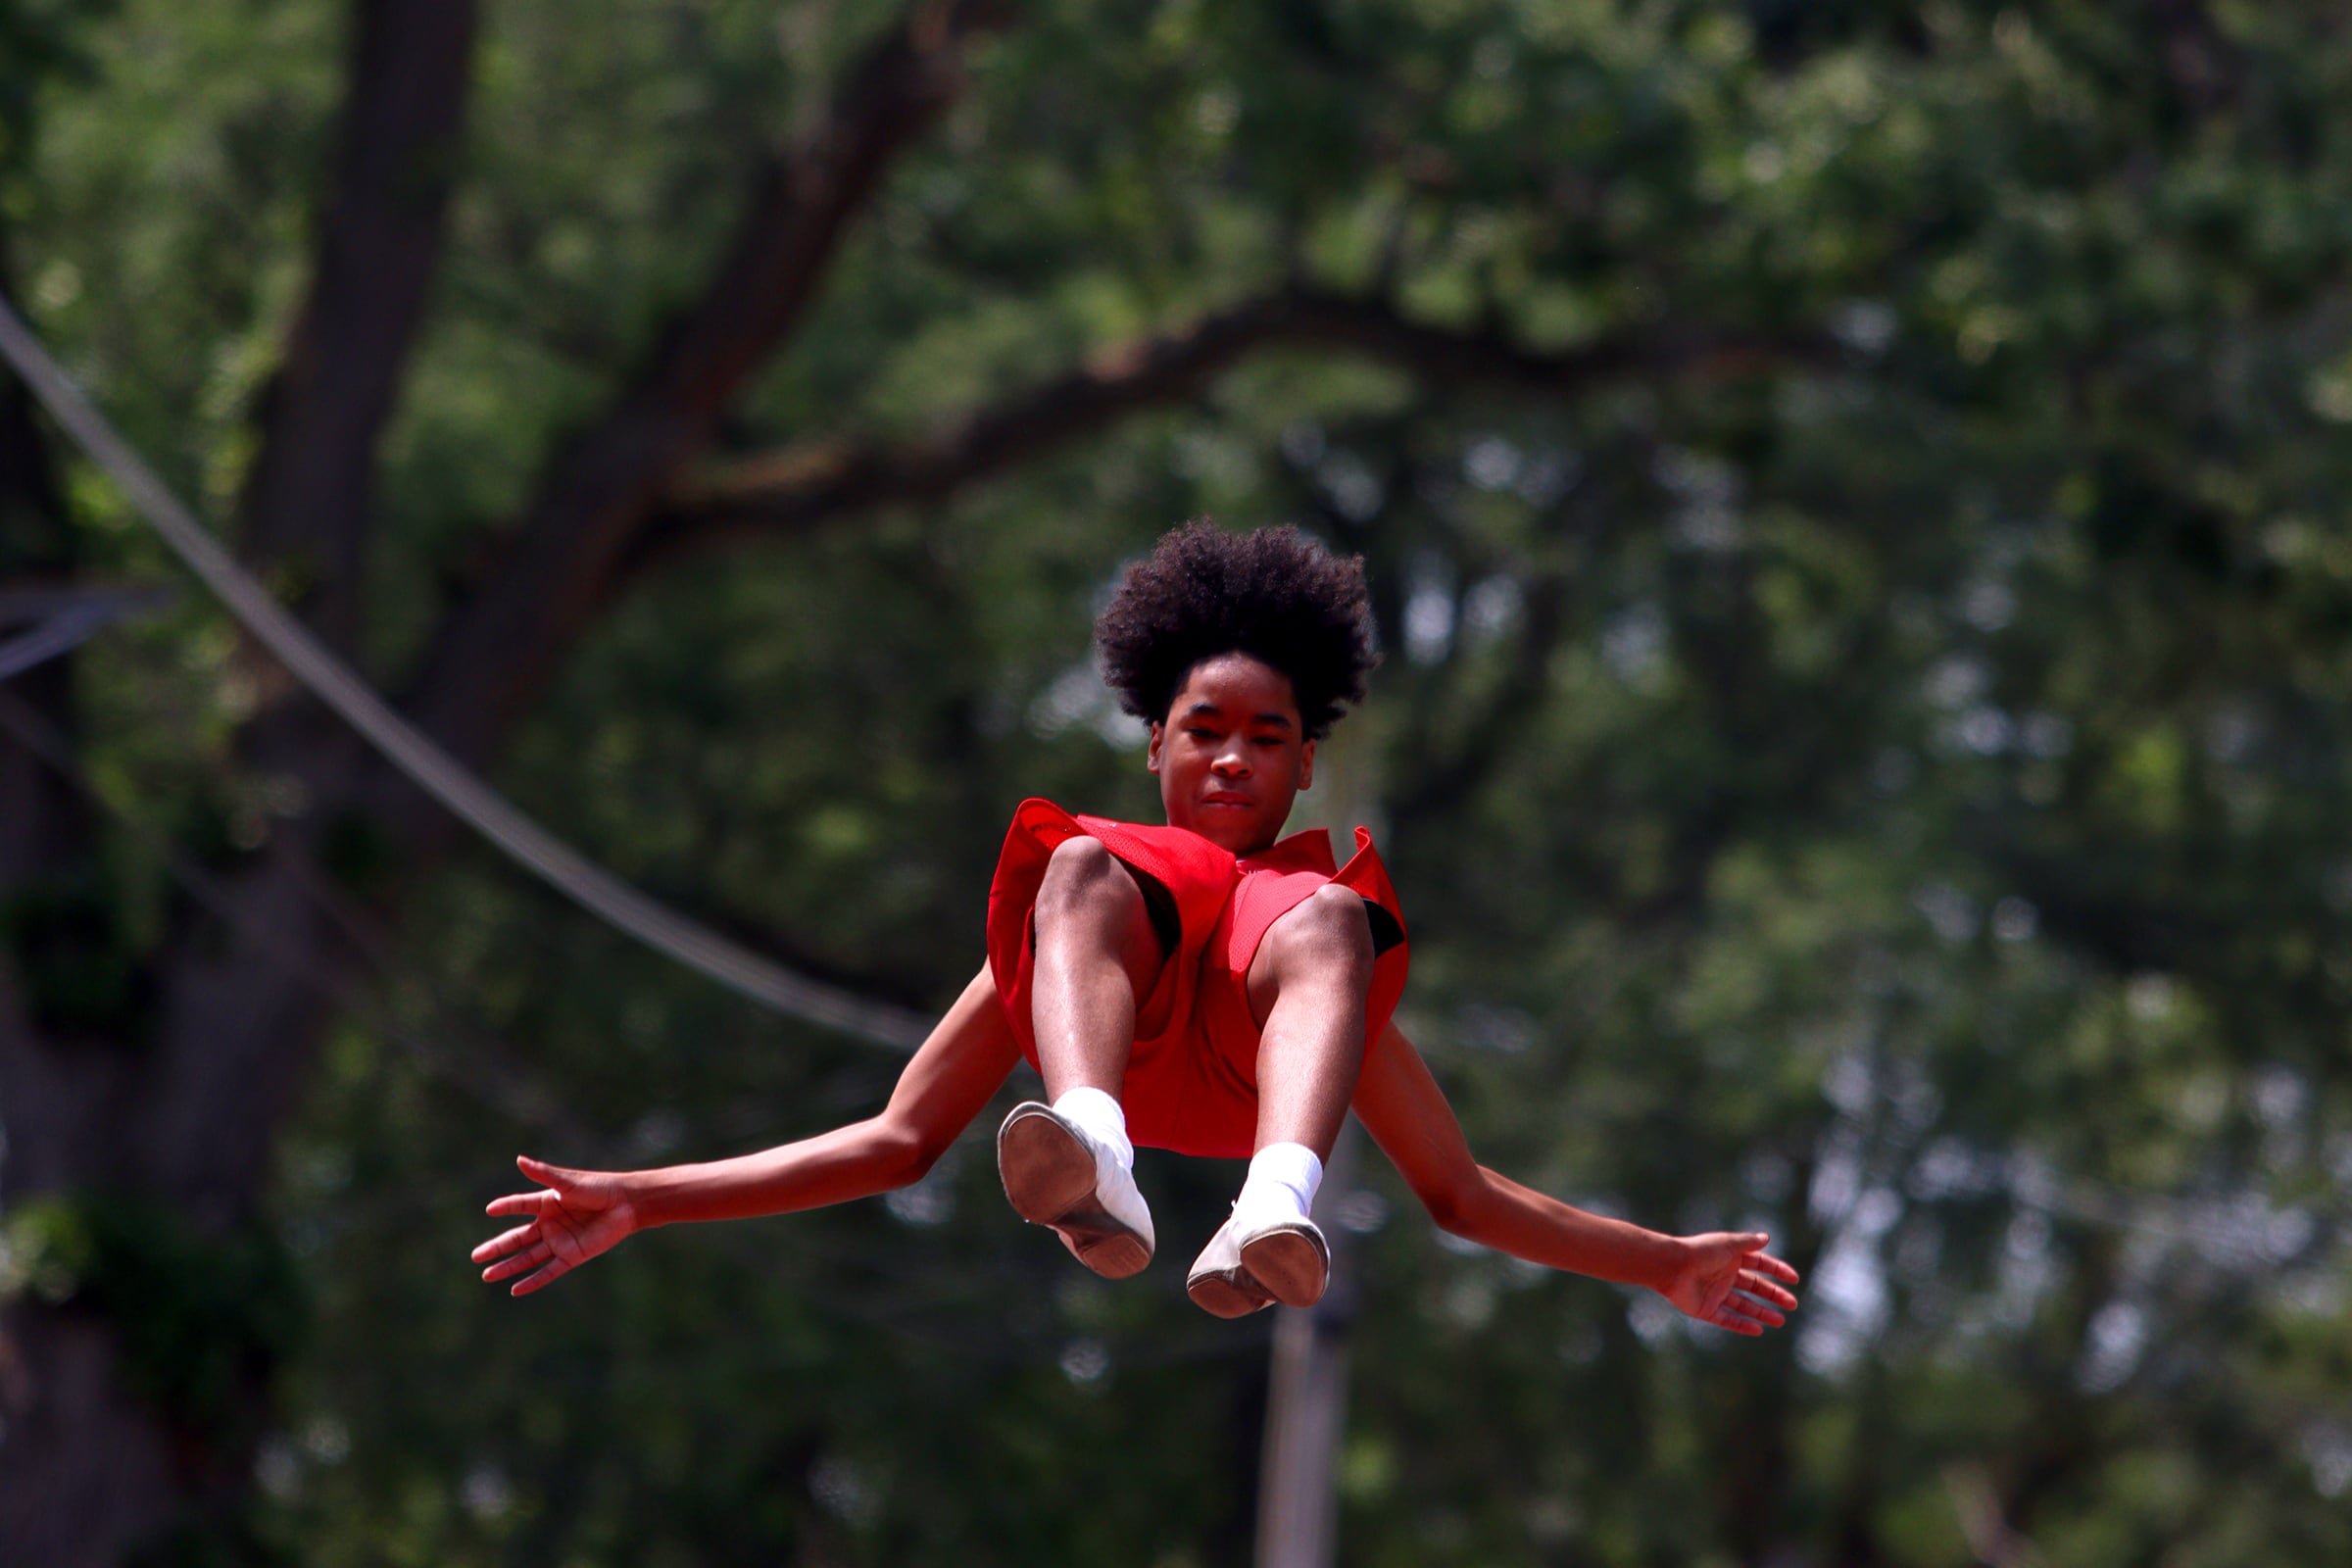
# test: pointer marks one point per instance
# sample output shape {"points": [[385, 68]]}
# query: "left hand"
{"points": [[1726, 1278], [581, 1214]]}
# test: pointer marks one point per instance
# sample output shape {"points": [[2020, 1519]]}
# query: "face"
{"points": [[1232, 754]]}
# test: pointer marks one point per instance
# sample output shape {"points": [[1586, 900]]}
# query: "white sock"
{"points": [[1283, 1178], [1099, 1118]]}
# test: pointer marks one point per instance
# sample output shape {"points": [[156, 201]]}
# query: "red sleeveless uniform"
{"points": [[1192, 1080]]}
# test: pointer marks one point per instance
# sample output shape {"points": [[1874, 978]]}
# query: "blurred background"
{"points": [[1855, 499]]}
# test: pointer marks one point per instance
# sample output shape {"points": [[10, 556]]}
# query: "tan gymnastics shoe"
{"points": [[1056, 1176], [1243, 1270]]}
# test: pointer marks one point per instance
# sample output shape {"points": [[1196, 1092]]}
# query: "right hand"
{"points": [[579, 1214]]}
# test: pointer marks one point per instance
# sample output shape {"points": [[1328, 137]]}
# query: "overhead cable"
{"points": [[425, 764]]}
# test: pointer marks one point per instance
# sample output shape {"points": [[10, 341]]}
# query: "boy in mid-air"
{"points": [[1206, 986]]}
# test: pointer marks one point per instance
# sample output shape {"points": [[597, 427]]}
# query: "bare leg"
{"points": [[1308, 989], [1098, 957], [1067, 1165]]}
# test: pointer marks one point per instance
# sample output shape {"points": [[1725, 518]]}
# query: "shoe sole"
{"points": [[1288, 1266], [1048, 1179], [1220, 1295]]}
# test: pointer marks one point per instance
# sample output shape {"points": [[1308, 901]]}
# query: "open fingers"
{"points": [[1724, 1317], [505, 1241], [528, 1259], [556, 1176], [555, 1270], [1765, 1264], [522, 1203], [1743, 1316], [1752, 1310], [1752, 1281]]}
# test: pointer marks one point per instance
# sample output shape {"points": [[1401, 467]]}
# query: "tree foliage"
{"points": [[1853, 498]]}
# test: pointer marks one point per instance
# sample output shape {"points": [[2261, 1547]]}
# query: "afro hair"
{"points": [[1275, 595]]}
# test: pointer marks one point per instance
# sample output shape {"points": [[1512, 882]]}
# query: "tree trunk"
{"points": [[139, 1132], [141, 1148], [82, 1463]]}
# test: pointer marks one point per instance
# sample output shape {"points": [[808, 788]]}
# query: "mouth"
{"points": [[1227, 798]]}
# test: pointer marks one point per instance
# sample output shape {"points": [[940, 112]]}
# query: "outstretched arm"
{"points": [[1726, 1278], [580, 1214]]}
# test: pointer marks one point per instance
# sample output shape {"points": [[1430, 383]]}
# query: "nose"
{"points": [[1232, 760]]}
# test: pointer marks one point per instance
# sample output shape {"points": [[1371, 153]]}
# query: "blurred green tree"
{"points": [[1854, 493]]}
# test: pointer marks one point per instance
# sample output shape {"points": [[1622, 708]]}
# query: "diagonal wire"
{"points": [[480, 1068], [476, 1064], [471, 1061], [484, 1070], [432, 769]]}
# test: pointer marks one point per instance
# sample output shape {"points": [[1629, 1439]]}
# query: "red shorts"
{"points": [[1192, 1080]]}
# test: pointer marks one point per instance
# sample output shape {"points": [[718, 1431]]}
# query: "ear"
{"points": [[1307, 766], [1152, 756]]}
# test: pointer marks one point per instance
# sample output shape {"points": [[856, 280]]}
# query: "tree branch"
{"points": [[307, 502], [494, 648], [824, 479]]}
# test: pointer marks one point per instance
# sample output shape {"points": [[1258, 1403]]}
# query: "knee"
{"points": [[1083, 879], [1329, 932]]}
